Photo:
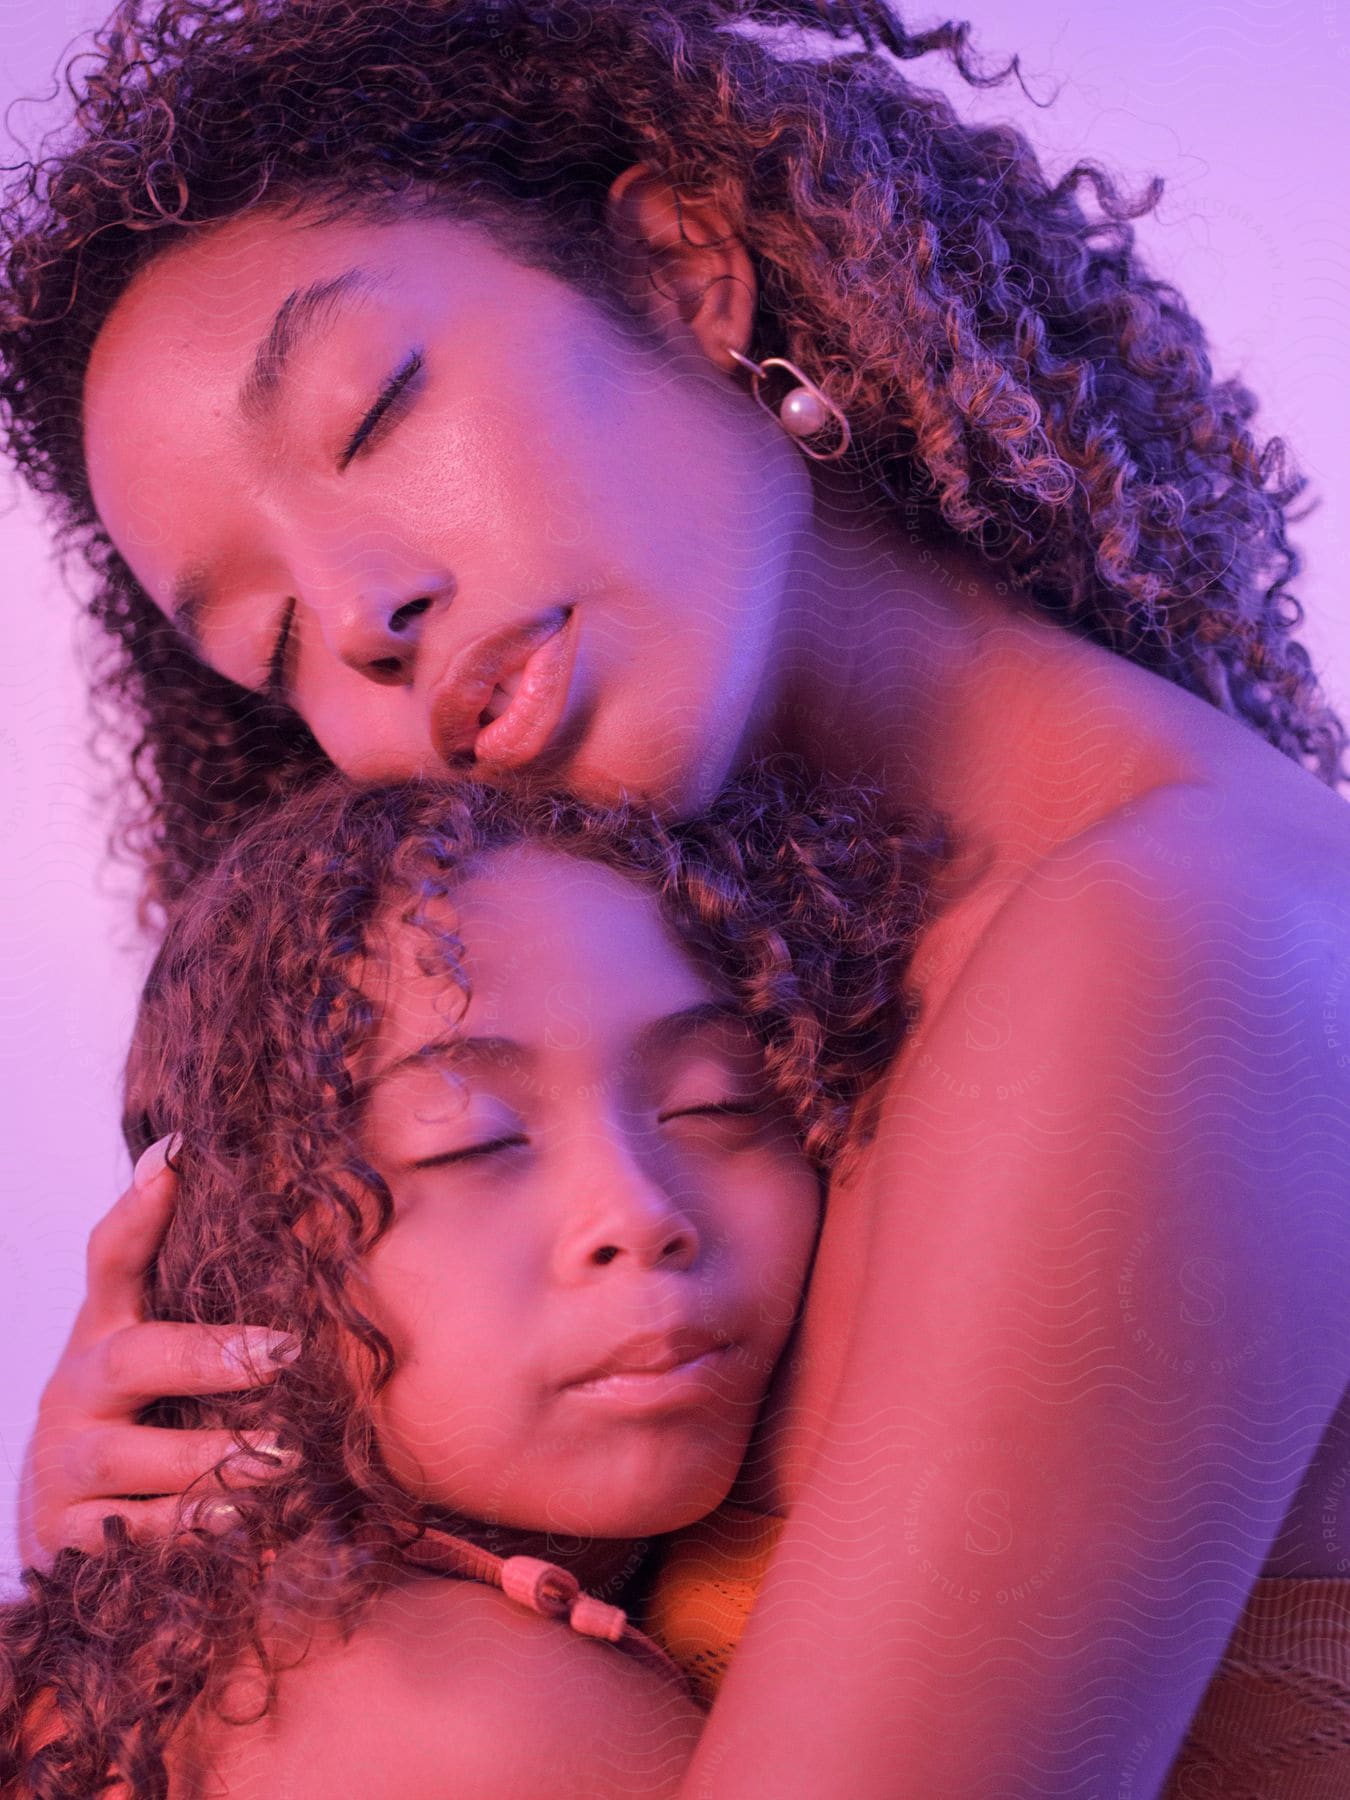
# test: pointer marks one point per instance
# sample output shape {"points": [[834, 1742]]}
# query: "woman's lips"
{"points": [[477, 671], [535, 710]]}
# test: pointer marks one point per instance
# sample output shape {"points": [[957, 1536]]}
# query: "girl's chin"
{"points": [[652, 1516], [592, 1499], [615, 1520]]}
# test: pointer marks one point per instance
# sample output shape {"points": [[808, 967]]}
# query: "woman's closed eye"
{"points": [[277, 686], [393, 400], [391, 403]]}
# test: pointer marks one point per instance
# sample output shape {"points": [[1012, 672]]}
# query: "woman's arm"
{"points": [[1102, 1330]]}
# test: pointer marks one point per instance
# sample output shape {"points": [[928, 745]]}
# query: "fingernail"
{"points": [[151, 1161], [249, 1351], [265, 1456], [266, 1444], [212, 1515]]}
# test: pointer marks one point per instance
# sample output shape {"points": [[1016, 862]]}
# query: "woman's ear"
{"points": [[681, 264]]}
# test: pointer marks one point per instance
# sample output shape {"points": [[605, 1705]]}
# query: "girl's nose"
{"points": [[378, 634], [622, 1213]]}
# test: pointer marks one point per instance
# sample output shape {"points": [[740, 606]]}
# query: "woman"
{"points": [[453, 378]]}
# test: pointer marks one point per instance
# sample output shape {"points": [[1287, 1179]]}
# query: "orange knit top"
{"points": [[1273, 1724]]}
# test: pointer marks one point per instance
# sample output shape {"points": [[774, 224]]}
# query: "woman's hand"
{"points": [[87, 1457]]}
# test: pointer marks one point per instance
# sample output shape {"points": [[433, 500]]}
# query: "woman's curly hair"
{"points": [[1012, 372], [790, 890]]}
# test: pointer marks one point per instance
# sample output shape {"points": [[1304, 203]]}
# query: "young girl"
{"points": [[512, 1115]]}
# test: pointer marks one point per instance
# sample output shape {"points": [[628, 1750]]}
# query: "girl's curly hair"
{"points": [[791, 890], [1012, 372]]}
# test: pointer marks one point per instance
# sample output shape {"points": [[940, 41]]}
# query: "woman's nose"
{"points": [[624, 1212], [378, 634]]}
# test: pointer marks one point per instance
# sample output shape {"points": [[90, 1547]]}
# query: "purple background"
{"points": [[1234, 104]]}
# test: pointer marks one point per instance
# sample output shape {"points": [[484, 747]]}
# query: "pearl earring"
{"points": [[804, 411]]}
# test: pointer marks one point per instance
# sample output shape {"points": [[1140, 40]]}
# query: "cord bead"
{"points": [[543, 1586], [593, 1618]]}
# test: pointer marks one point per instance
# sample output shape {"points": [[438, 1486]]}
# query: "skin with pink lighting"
{"points": [[550, 485]]}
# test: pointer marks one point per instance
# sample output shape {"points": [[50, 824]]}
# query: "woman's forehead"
{"points": [[197, 382], [203, 320]]}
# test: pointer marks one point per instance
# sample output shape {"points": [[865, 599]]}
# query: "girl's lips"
{"points": [[522, 731], [636, 1392]]}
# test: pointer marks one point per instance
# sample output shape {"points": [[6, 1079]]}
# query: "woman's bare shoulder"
{"points": [[1288, 834], [449, 1688], [1150, 861], [1178, 959], [1148, 1014], [1093, 1260]]}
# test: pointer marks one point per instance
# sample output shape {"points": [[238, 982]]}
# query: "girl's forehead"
{"points": [[549, 941], [529, 897]]}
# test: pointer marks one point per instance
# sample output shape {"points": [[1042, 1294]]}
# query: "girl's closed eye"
{"points": [[490, 1147], [732, 1123], [710, 1106], [495, 1146]]}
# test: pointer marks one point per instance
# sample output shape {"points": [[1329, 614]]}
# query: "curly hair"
{"points": [[804, 903], [1013, 373]]}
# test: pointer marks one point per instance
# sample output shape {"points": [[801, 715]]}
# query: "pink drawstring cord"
{"points": [[545, 1588]]}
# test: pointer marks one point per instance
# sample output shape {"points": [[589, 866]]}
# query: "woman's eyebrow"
{"points": [[304, 314]]}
